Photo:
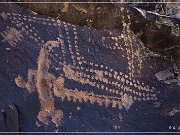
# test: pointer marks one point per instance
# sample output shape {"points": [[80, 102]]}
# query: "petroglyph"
{"points": [[12, 36], [44, 83], [72, 55], [48, 85]]}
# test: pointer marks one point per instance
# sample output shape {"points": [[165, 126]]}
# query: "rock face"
{"points": [[65, 77], [9, 118], [158, 33]]}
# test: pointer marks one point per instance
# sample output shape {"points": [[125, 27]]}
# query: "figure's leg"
{"points": [[42, 117], [57, 117], [47, 110], [30, 85]]}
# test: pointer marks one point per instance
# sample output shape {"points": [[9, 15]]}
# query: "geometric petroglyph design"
{"points": [[126, 41], [12, 36], [76, 58], [49, 86]]}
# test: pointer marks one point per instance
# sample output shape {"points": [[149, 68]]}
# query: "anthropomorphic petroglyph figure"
{"points": [[126, 90], [74, 65], [44, 82]]}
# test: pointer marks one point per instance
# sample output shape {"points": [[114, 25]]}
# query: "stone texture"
{"points": [[98, 79], [9, 119]]}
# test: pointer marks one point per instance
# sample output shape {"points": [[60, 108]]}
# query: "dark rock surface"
{"points": [[159, 33], [110, 68], [9, 120]]}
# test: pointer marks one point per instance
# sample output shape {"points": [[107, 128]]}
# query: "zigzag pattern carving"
{"points": [[74, 55]]}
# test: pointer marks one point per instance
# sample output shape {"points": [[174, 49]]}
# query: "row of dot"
{"points": [[69, 43], [119, 75], [116, 84], [62, 44], [79, 58]]}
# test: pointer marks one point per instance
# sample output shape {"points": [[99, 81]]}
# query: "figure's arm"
{"points": [[30, 85]]}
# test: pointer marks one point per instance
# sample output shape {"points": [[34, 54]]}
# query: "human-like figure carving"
{"points": [[44, 82]]}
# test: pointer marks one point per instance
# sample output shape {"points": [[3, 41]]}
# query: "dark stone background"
{"points": [[19, 109]]}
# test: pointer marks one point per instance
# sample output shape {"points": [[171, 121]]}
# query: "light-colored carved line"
{"points": [[30, 32], [81, 77], [44, 84], [55, 44], [58, 60], [83, 96], [12, 36], [74, 75], [79, 57], [61, 40], [42, 72], [133, 53], [119, 76], [116, 45], [69, 43], [117, 85], [129, 51], [52, 22], [38, 39], [107, 46], [126, 32]]}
